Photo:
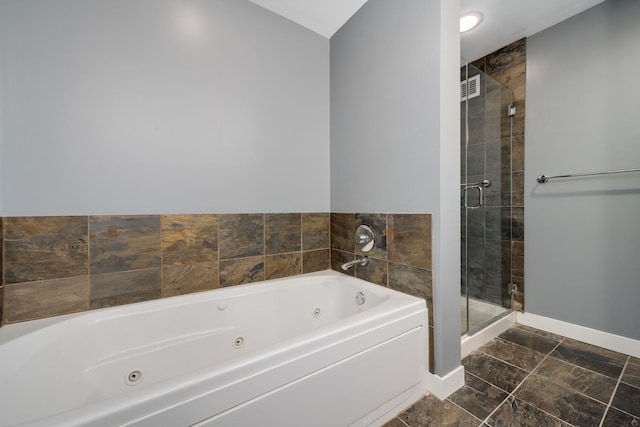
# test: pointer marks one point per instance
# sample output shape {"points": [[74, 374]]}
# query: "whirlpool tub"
{"points": [[320, 349]]}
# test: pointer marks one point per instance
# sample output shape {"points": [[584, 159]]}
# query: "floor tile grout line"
{"points": [[490, 383], [512, 394], [529, 348], [553, 357], [508, 363], [586, 369], [402, 421], [564, 386], [455, 404], [613, 395]]}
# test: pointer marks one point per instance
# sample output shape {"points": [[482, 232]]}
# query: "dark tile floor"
{"points": [[528, 377]]}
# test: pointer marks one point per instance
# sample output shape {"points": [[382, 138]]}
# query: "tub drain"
{"points": [[134, 377], [238, 342]]}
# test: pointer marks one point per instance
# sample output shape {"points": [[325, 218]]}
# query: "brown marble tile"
{"points": [[123, 243], [396, 422], [338, 258], [375, 272], [494, 371], [516, 412], [540, 332], [410, 280], [282, 265], [409, 239], [125, 287], [627, 399], [597, 359], [240, 235], [188, 278], [35, 300], [480, 63], [282, 233], [522, 357], [519, 119], [575, 378], [519, 297], [631, 373], [189, 239], [378, 223], [343, 230], [1, 263], [478, 397], [517, 223], [41, 248], [517, 255], [532, 341], [316, 260], [517, 189], [429, 411], [615, 418], [561, 402], [241, 270], [517, 153], [506, 59], [315, 231]]}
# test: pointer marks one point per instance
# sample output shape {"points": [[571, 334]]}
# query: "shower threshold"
{"points": [[481, 314]]}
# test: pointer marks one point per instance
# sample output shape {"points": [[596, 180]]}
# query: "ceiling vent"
{"points": [[470, 88]]}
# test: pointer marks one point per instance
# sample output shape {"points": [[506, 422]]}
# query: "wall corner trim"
{"points": [[443, 387], [581, 333]]}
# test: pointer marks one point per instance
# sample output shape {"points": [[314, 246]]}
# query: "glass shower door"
{"points": [[485, 193]]}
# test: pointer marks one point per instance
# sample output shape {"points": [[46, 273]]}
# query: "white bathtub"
{"points": [[293, 352]]}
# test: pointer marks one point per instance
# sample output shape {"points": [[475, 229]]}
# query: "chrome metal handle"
{"points": [[480, 197]]}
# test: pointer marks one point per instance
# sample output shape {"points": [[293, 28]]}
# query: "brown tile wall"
{"points": [[65, 264], [401, 258], [508, 66]]}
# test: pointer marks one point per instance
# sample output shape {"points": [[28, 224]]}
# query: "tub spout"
{"points": [[362, 261]]}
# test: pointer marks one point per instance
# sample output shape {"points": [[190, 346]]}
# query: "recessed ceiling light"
{"points": [[469, 21]]}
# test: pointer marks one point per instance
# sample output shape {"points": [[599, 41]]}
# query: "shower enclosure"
{"points": [[485, 198]]}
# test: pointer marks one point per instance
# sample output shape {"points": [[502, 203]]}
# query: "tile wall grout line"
{"points": [[512, 394], [615, 390]]}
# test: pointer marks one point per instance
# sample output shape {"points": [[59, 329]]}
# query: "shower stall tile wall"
{"points": [[401, 258], [508, 66], [64, 264]]}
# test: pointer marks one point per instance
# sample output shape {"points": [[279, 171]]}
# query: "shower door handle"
{"points": [[480, 196]]}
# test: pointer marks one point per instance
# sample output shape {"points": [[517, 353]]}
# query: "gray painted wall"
{"points": [[385, 109], [395, 133], [582, 257], [132, 106]]}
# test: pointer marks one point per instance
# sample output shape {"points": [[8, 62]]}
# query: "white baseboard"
{"points": [[480, 338], [591, 336], [443, 387]]}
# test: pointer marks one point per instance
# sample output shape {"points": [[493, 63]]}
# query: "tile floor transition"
{"points": [[529, 377]]}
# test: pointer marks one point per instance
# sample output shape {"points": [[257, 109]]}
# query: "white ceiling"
{"points": [[504, 21], [325, 17]]}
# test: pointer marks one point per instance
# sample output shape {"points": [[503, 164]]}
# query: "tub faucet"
{"points": [[362, 261]]}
